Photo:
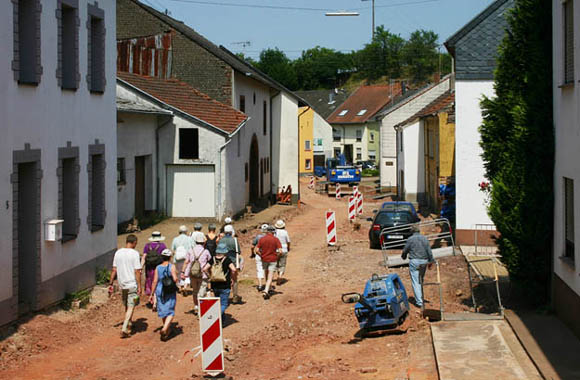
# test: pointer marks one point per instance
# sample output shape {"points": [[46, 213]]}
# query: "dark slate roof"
{"points": [[367, 99], [220, 52], [474, 47], [320, 100], [182, 97]]}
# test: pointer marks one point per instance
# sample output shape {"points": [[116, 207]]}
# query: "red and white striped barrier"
{"points": [[330, 228], [338, 191], [352, 208], [359, 204], [311, 184], [210, 327], [355, 192]]}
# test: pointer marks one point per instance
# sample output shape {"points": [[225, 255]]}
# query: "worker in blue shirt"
{"points": [[419, 252]]}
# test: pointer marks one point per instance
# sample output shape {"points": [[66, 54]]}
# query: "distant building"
{"points": [[356, 132], [324, 102], [315, 140], [58, 150], [566, 66], [474, 51], [167, 48]]}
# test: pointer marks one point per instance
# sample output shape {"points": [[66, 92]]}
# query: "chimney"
{"points": [[331, 97]]}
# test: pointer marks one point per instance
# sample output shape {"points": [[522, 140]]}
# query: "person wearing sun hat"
{"points": [[197, 278], [284, 238], [162, 300], [151, 259], [259, 267], [180, 246], [269, 249]]}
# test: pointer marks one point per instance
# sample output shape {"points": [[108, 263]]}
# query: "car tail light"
{"points": [[376, 227]]}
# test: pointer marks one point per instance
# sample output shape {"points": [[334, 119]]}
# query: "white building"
{"points": [[322, 133], [58, 149], [566, 65], [474, 50], [403, 108], [198, 155]]}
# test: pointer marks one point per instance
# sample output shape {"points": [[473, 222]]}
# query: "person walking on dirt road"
{"points": [[235, 255], [151, 258], [197, 232], [259, 267], [222, 273], [181, 245], [284, 238], [419, 252], [164, 299], [127, 269], [269, 249], [211, 239], [197, 259]]}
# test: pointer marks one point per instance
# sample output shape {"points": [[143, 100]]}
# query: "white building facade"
{"points": [[58, 149], [566, 66]]}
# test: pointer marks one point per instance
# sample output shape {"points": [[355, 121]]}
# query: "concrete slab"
{"points": [[480, 350]]}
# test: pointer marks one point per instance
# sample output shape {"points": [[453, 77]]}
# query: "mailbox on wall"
{"points": [[53, 230]]}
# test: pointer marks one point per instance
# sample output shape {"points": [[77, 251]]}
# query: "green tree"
{"points": [[278, 66], [420, 55], [517, 138], [321, 68], [381, 57]]}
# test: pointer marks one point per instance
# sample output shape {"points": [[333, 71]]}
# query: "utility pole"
{"points": [[373, 20]]}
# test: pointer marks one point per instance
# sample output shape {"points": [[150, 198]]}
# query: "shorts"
{"points": [[130, 297], [259, 267], [281, 264], [269, 266]]}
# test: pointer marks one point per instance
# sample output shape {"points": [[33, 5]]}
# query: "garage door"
{"points": [[190, 190]]}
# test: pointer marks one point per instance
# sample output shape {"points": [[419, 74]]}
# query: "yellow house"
{"points": [[315, 136], [439, 149]]}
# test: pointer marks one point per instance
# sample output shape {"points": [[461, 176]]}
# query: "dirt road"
{"points": [[303, 331]]}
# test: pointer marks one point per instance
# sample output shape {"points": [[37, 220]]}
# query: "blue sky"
{"points": [[295, 30]]}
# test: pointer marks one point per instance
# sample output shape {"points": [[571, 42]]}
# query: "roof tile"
{"points": [[370, 98]]}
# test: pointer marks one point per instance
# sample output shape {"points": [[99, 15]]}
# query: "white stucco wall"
{"points": [[567, 150], [322, 130], [237, 153], [413, 161], [47, 117], [136, 137], [388, 174], [348, 133], [471, 209], [285, 142]]}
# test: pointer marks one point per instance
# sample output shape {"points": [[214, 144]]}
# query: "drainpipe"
{"points": [[272, 190], [157, 184], [299, 141]]}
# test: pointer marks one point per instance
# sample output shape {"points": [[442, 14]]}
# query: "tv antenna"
{"points": [[243, 44]]}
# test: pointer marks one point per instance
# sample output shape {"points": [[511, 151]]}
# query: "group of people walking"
{"points": [[205, 264]]}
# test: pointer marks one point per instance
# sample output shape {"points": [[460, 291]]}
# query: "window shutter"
{"points": [[569, 41]]}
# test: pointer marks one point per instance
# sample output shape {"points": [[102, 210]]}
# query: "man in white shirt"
{"points": [[284, 238], [127, 269], [196, 234]]}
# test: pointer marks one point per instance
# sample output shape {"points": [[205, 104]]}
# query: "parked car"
{"points": [[390, 218], [401, 206], [366, 165]]}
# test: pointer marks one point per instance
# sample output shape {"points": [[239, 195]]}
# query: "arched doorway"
{"points": [[254, 170]]}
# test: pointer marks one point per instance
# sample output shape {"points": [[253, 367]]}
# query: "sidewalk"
{"points": [[554, 349]]}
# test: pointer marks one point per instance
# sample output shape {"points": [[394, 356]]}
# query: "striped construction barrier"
{"points": [[338, 191], [311, 184], [330, 227], [359, 204], [355, 192], [210, 327], [352, 208]]}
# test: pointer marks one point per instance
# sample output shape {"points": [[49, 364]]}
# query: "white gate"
{"points": [[191, 191]]}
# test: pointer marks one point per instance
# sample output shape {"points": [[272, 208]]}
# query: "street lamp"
{"points": [[345, 13]]}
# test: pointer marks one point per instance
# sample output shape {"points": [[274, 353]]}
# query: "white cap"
{"points": [[228, 220], [167, 252], [182, 228], [229, 228], [264, 227]]}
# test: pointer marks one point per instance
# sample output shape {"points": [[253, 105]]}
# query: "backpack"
{"points": [[210, 244], [153, 257], [195, 271], [217, 271], [169, 286], [180, 253]]}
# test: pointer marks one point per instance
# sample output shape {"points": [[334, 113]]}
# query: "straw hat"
{"points": [[280, 224], [156, 236]]}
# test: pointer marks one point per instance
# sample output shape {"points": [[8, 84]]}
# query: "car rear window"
{"points": [[387, 217], [398, 207]]}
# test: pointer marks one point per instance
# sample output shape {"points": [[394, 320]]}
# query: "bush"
{"points": [[370, 172], [103, 276]]}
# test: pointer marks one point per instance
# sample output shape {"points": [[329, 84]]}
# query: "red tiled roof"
{"points": [[441, 103], [188, 100], [370, 98]]}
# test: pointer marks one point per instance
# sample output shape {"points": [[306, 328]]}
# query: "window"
{"points": [[246, 172], [358, 135], [265, 113], [68, 191], [336, 152], [308, 164], [569, 218], [343, 112], [254, 98], [307, 145], [361, 112], [26, 64], [243, 103], [68, 46], [359, 153], [96, 49], [97, 191], [189, 143], [568, 41], [372, 155], [239, 142], [121, 179], [372, 137], [336, 135]]}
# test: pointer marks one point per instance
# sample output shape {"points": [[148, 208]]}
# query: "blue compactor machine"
{"points": [[382, 306]]}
